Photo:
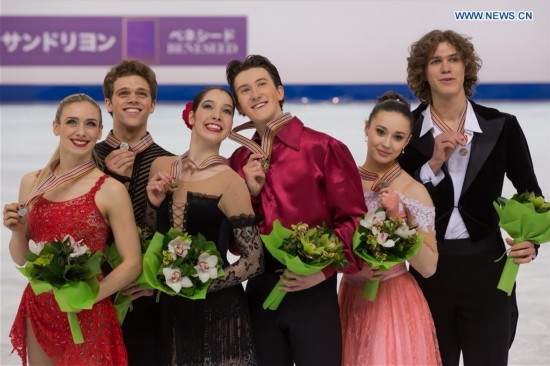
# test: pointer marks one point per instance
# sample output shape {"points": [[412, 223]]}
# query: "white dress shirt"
{"points": [[456, 165]]}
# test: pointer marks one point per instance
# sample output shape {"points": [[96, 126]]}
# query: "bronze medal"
{"points": [[265, 163], [172, 187], [22, 211]]}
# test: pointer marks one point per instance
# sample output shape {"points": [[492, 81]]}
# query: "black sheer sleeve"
{"points": [[251, 261]]}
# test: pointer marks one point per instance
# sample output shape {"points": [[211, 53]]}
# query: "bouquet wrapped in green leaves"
{"points": [[180, 264], [525, 217], [67, 268], [383, 242], [123, 303], [303, 251]]}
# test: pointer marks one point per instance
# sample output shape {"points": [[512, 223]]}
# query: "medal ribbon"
{"points": [[51, 182], [138, 147], [443, 126], [271, 129], [384, 180], [177, 165]]}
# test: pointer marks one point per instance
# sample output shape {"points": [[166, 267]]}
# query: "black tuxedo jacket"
{"points": [[500, 150]]}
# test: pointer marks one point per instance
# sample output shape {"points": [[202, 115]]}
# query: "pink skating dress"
{"points": [[397, 328], [103, 344]]}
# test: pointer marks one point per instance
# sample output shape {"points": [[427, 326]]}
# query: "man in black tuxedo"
{"points": [[461, 152]]}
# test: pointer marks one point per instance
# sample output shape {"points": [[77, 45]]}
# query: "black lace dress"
{"points": [[214, 331]]}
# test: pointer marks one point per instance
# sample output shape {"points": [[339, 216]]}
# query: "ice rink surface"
{"points": [[27, 143]]}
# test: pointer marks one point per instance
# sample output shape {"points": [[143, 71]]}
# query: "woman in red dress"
{"points": [[87, 205]]}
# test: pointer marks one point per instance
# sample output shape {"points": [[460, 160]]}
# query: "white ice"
{"points": [[28, 141]]}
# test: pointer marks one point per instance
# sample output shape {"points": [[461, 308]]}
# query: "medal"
{"points": [[438, 121], [265, 163], [136, 147], [183, 162], [271, 129], [380, 182], [172, 187], [51, 182], [22, 211]]}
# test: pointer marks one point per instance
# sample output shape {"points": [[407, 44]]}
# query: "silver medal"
{"points": [[124, 145]]}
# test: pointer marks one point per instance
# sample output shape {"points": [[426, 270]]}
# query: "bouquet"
{"points": [[525, 217], [383, 242], [67, 268], [302, 250], [123, 303], [180, 264]]}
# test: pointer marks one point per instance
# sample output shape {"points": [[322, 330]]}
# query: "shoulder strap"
{"points": [[99, 183]]}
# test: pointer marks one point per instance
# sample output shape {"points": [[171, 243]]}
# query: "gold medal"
{"points": [[463, 151]]}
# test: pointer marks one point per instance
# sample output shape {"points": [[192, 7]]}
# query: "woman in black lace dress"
{"points": [[198, 192]]}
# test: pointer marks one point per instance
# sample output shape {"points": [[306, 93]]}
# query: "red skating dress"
{"points": [[103, 344]]}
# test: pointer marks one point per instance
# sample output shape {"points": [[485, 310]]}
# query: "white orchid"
{"points": [[35, 247], [207, 267], [179, 246], [77, 246], [404, 232], [78, 250], [371, 219], [382, 239], [175, 280]]}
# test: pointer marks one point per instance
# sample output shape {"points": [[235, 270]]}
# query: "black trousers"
{"points": [[470, 314], [305, 329], [140, 332]]}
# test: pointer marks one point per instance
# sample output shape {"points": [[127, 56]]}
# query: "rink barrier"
{"points": [[335, 93]]}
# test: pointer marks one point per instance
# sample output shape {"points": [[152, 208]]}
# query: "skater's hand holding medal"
{"points": [[14, 218], [159, 186]]}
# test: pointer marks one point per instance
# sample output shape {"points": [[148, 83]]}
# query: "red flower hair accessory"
{"points": [[185, 114]]}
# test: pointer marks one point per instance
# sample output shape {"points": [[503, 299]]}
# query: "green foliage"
{"points": [[528, 197], [315, 246], [55, 266]]}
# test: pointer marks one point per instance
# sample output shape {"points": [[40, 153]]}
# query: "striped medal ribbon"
{"points": [[271, 129], [438, 120], [138, 147], [178, 166], [51, 182], [380, 181]]}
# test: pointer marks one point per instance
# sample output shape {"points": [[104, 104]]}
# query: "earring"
{"points": [[403, 151], [365, 138]]}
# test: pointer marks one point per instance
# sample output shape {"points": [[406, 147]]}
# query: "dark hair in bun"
{"points": [[392, 102]]}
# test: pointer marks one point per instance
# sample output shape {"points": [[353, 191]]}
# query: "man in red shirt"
{"points": [[294, 174]]}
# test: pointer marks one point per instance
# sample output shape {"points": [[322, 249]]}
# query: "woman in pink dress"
{"points": [[81, 201], [397, 327]]}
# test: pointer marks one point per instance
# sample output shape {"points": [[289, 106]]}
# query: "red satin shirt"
{"points": [[312, 178]]}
